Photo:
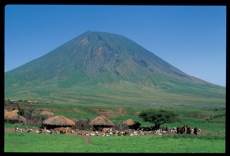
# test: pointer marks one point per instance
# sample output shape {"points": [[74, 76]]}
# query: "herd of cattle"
{"points": [[111, 131]]}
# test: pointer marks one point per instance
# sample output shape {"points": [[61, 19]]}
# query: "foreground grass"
{"points": [[26, 142]]}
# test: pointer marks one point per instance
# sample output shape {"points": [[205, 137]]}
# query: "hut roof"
{"points": [[14, 117], [101, 120], [15, 111], [131, 122], [47, 113], [5, 111], [58, 121]]}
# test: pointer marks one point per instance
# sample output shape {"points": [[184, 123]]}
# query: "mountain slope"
{"points": [[104, 59]]}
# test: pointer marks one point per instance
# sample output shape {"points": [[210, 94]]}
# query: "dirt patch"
{"points": [[121, 111], [9, 129], [26, 108], [110, 113], [86, 139], [106, 113], [46, 113], [206, 132]]}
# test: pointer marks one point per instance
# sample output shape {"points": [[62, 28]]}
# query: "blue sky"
{"points": [[191, 38]]}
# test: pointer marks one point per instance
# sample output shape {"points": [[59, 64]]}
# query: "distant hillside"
{"points": [[103, 60]]}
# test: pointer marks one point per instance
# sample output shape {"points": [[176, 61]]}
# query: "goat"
{"points": [[18, 129], [29, 130], [146, 128], [39, 131], [47, 131], [92, 134]]}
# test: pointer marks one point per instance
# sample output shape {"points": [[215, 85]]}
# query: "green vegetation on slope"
{"points": [[108, 65]]}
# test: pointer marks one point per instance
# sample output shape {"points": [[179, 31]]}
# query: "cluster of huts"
{"points": [[53, 124], [98, 124]]}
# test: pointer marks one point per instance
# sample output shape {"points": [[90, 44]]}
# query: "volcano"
{"points": [[103, 64]]}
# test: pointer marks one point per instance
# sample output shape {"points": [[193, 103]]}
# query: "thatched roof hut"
{"points": [[5, 111], [57, 121], [15, 111], [132, 124], [46, 113], [13, 117], [101, 122]]}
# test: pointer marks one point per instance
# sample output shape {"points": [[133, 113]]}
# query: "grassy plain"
{"points": [[211, 122], [25, 142], [81, 103]]}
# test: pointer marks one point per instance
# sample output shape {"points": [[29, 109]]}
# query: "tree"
{"points": [[159, 117], [20, 110]]}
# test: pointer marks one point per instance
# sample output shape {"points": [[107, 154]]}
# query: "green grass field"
{"points": [[81, 103], [212, 139], [25, 142]]}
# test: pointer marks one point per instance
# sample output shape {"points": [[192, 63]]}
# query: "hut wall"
{"points": [[55, 126], [100, 127], [134, 127]]}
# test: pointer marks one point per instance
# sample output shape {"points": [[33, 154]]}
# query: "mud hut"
{"points": [[57, 122], [101, 122], [13, 117], [132, 124]]}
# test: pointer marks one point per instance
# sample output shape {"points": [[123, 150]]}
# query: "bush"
{"points": [[34, 118], [82, 124], [120, 127], [21, 111]]}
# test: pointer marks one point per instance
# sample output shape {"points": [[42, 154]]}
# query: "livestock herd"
{"points": [[106, 131]]}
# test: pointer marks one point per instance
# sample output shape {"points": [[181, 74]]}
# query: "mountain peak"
{"points": [[100, 57]]}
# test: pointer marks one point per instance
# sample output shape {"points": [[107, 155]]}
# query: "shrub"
{"points": [[82, 124], [120, 126], [21, 111], [34, 118]]}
